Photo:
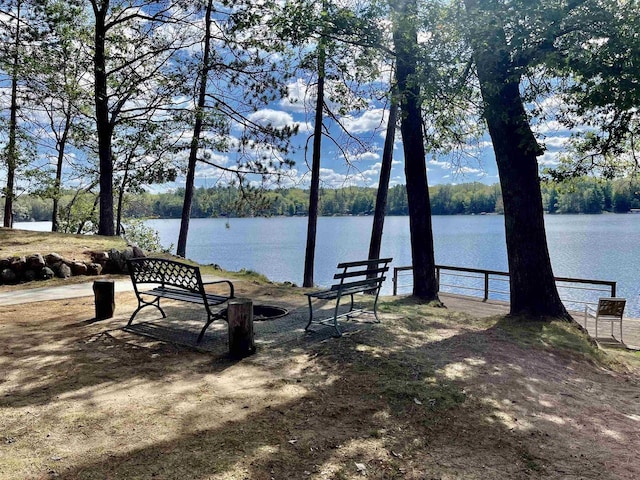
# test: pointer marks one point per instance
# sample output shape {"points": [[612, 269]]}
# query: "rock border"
{"points": [[36, 266]]}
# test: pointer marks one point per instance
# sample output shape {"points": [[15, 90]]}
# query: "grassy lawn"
{"points": [[23, 242], [428, 393]]}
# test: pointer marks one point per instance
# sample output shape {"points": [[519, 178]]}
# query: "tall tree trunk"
{"points": [[405, 38], [12, 147], [383, 184], [121, 192], [533, 288], [62, 145], [314, 192], [181, 249], [103, 123]]}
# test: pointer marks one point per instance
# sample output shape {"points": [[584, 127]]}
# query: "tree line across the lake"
{"points": [[586, 195]]}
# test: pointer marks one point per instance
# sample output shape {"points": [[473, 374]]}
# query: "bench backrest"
{"points": [[165, 272], [611, 307], [363, 273]]}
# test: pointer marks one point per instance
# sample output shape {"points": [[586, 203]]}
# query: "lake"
{"points": [[601, 247]]}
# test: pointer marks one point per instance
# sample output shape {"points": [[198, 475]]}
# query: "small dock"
{"points": [[476, 306]]}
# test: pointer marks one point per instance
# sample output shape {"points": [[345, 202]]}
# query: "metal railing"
{"points": [[492, 284]]}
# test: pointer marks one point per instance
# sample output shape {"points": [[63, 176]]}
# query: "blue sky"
{"points": [[475, 164]]}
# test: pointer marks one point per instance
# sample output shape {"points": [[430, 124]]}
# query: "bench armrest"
{"points": [[231, 290]]}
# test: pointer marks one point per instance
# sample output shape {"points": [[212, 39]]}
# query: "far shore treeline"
{"points": [[586, 195]]}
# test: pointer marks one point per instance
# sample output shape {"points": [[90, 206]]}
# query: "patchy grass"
{"points": [[428, 393], [23, 242]]}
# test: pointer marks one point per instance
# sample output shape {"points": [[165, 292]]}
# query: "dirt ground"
{"points": [[427, 394]]}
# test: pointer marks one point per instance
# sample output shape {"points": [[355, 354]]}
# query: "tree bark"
{"points": [[104, 295], [383, 185], [103, 124], [12, 147], [62, 145], [405, 38], [181, 249], [533, 288], [241, 334], [314, 192]]}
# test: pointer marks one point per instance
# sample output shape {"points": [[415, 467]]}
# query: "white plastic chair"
{"points": [[608, 310]]}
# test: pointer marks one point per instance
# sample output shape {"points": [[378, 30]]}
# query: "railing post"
{"points": [[486, 287], [613, 289], [395, 281]]}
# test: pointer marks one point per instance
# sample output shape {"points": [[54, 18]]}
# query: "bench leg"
{"points": [[210, 319], [375, 306], [142, 304], [204, 329], [350, 308], [335, 315], [310, 314]]}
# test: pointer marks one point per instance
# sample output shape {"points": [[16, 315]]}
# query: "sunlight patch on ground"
{"points": [[461, 370], [552, 418]]}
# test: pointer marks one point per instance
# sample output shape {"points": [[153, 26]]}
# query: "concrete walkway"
{"points": [[42, 294]]}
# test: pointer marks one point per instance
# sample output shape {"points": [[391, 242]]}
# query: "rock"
{"points": [[8, 276], [78, 268], [116, 263], [138, 252], [35, 261], [17, 264], [127, 254], [99, 257], [94, 269], [4, 263], [29, 275], [64, 271], [53, 258], [46, 273]]}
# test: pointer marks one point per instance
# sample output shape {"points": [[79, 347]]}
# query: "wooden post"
{"points": [[240, 318], [104, 293]]}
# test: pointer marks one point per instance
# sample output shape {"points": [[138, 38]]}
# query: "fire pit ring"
{"points": [[262, 313], [268, 312]]}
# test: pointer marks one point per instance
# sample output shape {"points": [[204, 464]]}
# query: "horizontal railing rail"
{"points": [[489, 284]]}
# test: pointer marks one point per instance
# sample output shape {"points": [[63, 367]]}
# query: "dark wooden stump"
{"points": [[240, 318], [104, 293]]}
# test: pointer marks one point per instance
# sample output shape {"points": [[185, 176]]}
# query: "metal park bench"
{"points": [[365, 276], [175, 281]]}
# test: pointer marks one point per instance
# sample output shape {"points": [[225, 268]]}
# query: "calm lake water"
{"points": [[601, 247]]}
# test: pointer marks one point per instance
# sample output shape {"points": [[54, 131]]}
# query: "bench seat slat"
{"points": [[185, 295]]}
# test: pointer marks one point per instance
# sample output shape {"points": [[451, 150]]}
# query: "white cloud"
{"points": [[369, 121], [299, 96], [552, 126], [556, 142], [277, 119], [549, 159], [365, 157], [440, 164]]}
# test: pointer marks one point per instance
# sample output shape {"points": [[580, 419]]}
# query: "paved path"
{"points": [[62, 292]]}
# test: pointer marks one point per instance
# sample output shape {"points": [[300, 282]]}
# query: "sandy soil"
{"points": [[427, 394]]}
